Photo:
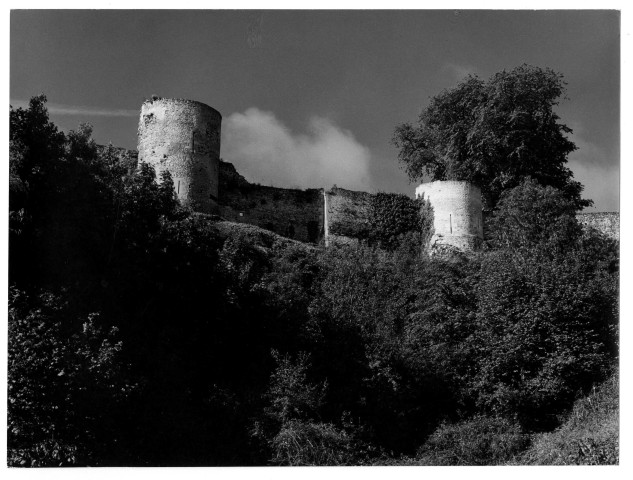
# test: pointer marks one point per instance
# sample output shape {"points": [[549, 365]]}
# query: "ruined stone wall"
{"points": [[296, 214], [346, 215], [457, 213], [606, 222], [183, 137]]}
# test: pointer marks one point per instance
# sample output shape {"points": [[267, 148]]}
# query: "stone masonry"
{"points": [[457, 213], [183, 137]]}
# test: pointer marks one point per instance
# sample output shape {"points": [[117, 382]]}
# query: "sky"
{"points": [[311, 98]]}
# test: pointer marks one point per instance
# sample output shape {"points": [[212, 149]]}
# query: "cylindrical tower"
{"points": [[183, 137], [457, 213]]}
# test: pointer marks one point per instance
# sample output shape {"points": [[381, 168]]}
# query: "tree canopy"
{"points": [[493, 133]]}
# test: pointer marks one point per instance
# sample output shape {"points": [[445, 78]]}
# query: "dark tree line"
{"points": [[142, 334]]}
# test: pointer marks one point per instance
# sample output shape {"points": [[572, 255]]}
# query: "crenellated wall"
{"points": [[183, 137]]}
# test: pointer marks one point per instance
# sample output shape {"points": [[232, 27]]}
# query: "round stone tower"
{"points": [[457, 213], [183, 137]]}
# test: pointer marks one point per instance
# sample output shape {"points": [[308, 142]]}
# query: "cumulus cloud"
{"points": [[265, 151]]}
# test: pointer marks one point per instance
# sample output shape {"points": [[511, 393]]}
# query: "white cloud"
{"points": [[265, 151], [79, 110]]}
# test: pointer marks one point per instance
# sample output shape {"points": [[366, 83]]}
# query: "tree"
{"points": [[65, 383], [60, 198], [493, 133], [546, 329], [531, 214]]}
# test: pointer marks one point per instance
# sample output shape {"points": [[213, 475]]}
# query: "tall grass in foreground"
{"points": [[590, 436]]}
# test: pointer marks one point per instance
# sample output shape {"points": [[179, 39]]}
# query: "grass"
{"points": [[589, 436]]}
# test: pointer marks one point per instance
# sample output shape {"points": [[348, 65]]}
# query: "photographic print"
{"points": [[313, 238]]}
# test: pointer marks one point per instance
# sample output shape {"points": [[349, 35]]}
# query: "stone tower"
{"points": [[183, 137], [457, 213]]}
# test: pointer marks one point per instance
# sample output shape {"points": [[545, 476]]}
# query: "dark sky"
{"points": [[311, 98]]}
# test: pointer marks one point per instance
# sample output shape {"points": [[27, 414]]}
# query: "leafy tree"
{"points": [[289, 425], [62, 199], [546, 329], [291, 395], [40, 142], [493, 133], [65, 381], [531, 214]]}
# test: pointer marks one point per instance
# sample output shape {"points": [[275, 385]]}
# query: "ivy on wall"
{"points": [[392, 216]]}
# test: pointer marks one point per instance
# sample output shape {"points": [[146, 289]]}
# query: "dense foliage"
{"points": [[589, 434], [393, 216], [493, 133], [144, 334]]}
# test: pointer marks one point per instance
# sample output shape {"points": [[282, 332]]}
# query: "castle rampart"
{"points": [[457, 213], [296, 214], [183, 137]]}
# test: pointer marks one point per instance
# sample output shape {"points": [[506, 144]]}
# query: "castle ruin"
{"points": [[457, 213], [183, 137]]}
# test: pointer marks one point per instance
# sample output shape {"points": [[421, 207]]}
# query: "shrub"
{"points": [[478, 441], [64, 380], [531, 214], [306, 443], [545, 330], [590, 435], [393, 217]]}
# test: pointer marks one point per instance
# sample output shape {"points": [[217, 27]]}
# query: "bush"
{"points": [[531, 214], [394, 216], [65, 377], [546, 328], [478, 441], [589, 436], [317, 444]]}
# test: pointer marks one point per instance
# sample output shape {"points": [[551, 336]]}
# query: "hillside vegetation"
{"points": [[141, 333], [589, 436]]}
